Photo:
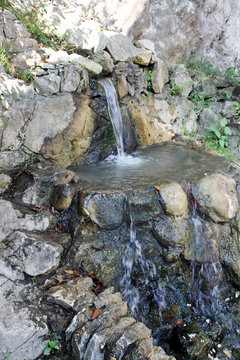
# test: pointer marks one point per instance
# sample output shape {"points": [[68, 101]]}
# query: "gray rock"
{"points": [[58, 57], [146, 44], [51, 116], [104, 59], [107, 210], [182, 79], [31, 254], [145, 205], [121, 48], [22, 329], [143, 57], [108, 297], [91, 66], [48, 84], [72, 77], [208, 117], [13, 159], [62, 196], [216, 196], [159, 76]]}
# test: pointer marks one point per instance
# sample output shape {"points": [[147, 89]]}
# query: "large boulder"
{"points": [[216, 197], [121, 48], [174, 199]]}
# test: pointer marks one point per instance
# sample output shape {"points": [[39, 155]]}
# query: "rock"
{"points": [[22, 330], [71, 145], [107, 210], [159, 76], [48, 84], [134, 333], [62, 197], [108, 297], [10, 160], [10, 219], [145, 206], [91, 66], [122, 86], [145, 349], [50, 117], [207, 118], [149, 129], [171, 232], [5, 181], [104, 59], [143, 57], [146, 44], [72, 294], [121, 48], [75, 79], [134, 75], [31, 254], [174, 199], [182, 79], [58, 57], [216, 196]]}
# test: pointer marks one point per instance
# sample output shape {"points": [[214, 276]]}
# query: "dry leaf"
{"points": [[112, 358], [75, 273], [95, 314], [69, 272]]}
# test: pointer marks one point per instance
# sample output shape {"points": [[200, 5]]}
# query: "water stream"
{"points": [[114, 113]]}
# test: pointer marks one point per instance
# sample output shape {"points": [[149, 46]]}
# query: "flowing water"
{"points": [[114, 113]]}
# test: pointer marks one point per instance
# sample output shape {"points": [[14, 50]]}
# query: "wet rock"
{"points": [[174, 199], [197, 345], [74, 293], [31, 254], [22, 329], [145, 205], [104, 59], [121, 48], [134, 75], [62, 196], [171, 232], [5, 181], [145, 349], [159, 76], [182, 79], [216, 196], [107, 210], [134, 333], [48, 84], [91, 66]]}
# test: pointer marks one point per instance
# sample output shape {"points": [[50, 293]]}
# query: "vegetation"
{"points": [[196, 99], [149, 85], [52, 347], [217, 136], [176, 90], [226, 93], [202, 65]]}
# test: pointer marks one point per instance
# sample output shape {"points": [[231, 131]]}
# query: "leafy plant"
{"points": [[195, 98], [52, 347], [202, 65], [226, 93], [176, 90], [233, 74], [217, 136], [149, 85]]}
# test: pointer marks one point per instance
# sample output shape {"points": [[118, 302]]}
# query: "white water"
{"points": [[207, 272], [135, 263], [114, 113]]}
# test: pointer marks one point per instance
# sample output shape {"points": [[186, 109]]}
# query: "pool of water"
{"points": [[151, 166]]}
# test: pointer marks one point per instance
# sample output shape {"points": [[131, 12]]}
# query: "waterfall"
{"points": [[207, 272], [135, 264], [114, 113]]}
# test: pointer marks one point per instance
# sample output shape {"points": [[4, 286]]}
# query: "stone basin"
{"points": [[151, 166]]}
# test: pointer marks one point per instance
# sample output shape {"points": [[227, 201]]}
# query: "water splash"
{"points": [[135, 264], [207, 271], [114, 113]]}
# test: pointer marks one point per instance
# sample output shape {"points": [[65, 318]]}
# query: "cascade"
{"points": [[114, 113], [207, 271]]}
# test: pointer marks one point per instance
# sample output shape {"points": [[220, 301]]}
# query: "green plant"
{"points": [[26, 77], [1, 245], [217, 136], [195, 98], [226, 93], [202, 65], [176, 90], [233, 74], [52, 347], [5, 58], [30, 159], [149, 85], [5, 123]]}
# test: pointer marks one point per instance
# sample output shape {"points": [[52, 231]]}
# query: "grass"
{"points": [[203, 66]]}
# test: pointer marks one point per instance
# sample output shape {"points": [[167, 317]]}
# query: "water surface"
{"points": [[151, 166]]}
